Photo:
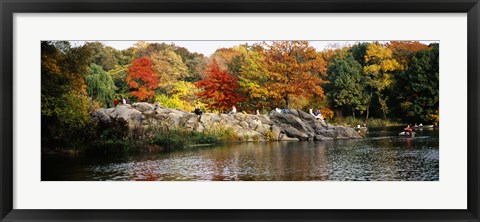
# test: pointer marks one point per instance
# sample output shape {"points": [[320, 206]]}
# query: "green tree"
{"points": [[100, 85], [104, 56], [347, 84], [418, 88]]}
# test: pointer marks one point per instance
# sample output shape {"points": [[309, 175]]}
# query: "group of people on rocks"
{"points": [[122, 100], [199, 112]]}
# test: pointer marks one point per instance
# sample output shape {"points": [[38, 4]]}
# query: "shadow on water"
{"points": [[381, 156]]}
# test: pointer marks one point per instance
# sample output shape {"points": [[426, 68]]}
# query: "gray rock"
{"points": [[244, 125], [328, 133], [294, 125], [284, 137], [293, 132], [345, 132], [276, 131], [262, 128], [143, 106]]}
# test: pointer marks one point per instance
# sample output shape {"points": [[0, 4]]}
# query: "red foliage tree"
{"points": [[220, 89], [141, 79]]}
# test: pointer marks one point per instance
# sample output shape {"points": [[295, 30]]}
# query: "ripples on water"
{"points": [[379, 157]]}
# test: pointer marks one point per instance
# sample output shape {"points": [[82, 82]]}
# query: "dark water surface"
{"points": [[382, 155]]}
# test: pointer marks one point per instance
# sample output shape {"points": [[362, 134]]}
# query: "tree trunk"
{"points": [[368, 105], [287, 101]]}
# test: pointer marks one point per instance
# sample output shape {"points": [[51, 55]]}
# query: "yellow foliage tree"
{"points": [[379, 68]]}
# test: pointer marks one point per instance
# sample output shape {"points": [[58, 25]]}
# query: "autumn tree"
{"points": [[220, 89], [169, 68], [104, 56], [65, 106], [119, 76], [100, 85], [224, 56], [195, 63], [404, 50], [378, 70], [142, 80], [254, 81], [294, 70]]}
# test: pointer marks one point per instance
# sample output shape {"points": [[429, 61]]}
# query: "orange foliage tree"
{"points": [[220, 89], [294, 69], [141, 79], [404, 50]]}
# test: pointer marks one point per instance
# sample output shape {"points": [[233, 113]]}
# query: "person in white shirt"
{"points": [[234, 110]]}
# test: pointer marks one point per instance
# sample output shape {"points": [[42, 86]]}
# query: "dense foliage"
{"points": [[397, 80]]}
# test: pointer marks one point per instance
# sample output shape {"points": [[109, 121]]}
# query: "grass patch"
{"points": [[181, 139], [350, 121]]}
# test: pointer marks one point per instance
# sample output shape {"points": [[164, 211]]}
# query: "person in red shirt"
{"points": [[408, 129]]}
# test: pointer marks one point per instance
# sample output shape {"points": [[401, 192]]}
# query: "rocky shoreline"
{"points": [[295, 125]]}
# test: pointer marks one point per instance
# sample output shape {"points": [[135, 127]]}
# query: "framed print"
{"points": [[254, 111]]}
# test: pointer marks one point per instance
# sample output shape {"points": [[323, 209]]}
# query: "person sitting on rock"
{"points": [[198, 112], [255, 123], [234, 110], [157, 106], [318, 115]]}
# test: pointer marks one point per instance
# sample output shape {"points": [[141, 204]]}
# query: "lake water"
{"points": [[381, 156]]}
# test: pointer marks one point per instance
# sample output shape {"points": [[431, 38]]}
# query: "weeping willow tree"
{"points": [[100, 85]]}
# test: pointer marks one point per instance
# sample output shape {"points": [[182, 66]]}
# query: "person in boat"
{"points": [[408, 130]]}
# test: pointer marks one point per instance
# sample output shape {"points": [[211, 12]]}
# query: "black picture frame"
{"points": [[9, 7]]}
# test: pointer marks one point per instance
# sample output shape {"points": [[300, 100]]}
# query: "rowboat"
{"points": [[411, 134]]}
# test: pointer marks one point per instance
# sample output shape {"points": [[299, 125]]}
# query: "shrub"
{"points": [[269, 135]]}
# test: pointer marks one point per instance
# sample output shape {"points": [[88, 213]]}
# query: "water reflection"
{"points": [[381, 156]]}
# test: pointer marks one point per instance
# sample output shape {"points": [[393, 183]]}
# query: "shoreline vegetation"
{"points": [[101, 99]]}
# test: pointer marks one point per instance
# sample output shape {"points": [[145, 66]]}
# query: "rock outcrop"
{"points": [[294, 125]]}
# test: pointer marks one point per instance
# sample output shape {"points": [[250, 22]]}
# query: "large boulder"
{"points": [[143, 106], [345, 132], [293, 132], [293, 125]]}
